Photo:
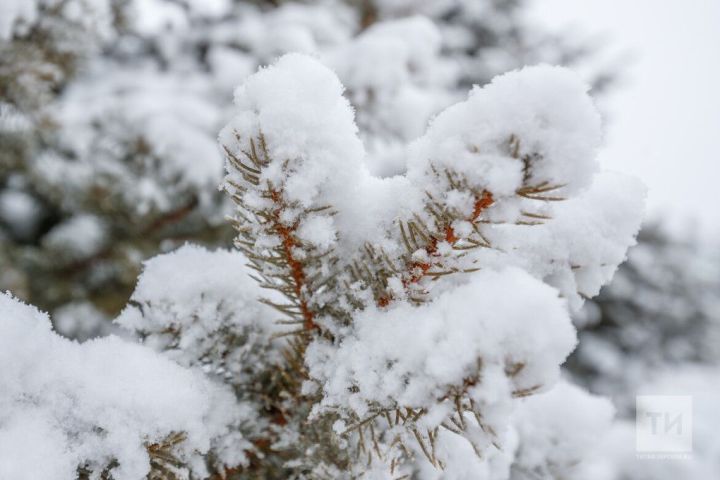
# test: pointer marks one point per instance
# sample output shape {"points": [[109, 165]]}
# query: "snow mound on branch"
{"points": [[189, 301], [314, 155], [552, 435], [557, 430], [542, 113], [495, 319], [21, 212], [158, 17], [398, 50], [309, 128], [580, 247], [64, 405]]}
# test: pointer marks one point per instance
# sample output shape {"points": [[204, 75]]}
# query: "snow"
{"points": [[294, 27], [304, 141], [78, 237], [579, 249], [559, 430], [318, 232], [167, 121], [395, 76], [528, 140], [485, 322], [12, 11], [65, 405], [81, 321], [210, 297], [642, 139], [201, 309], [542, 113], [314, 156], [661, 310], [545, 109], [18, 16], [155, 17], [20, 212], [152, 17], [321, 174]]}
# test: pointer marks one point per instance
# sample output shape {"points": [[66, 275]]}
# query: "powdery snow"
{"points": [[187, 301], [495, 320], [64, 405]]}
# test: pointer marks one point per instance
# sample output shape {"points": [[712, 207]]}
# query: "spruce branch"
{"points": [[421, 236], [283, 262], [279, 267]]}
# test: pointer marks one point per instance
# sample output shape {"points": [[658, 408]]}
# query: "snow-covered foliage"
{"points": [[368, 326], [558, 433], [360, 271], [110, 108], [80, 236], [67, 407], [370, 369], [41, 43], [408, 256], [189, 302], [174, 160]]}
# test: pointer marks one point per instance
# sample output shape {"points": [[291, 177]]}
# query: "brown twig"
{"points": [[417, 270]]}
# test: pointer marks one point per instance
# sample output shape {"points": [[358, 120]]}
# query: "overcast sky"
{"points": [[665, 118]]}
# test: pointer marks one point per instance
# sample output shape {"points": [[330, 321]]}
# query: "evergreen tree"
{"points": [[109, 111], [364, 327]]}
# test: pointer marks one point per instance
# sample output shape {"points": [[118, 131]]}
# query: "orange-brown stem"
{"points": [[289, 241], [485, 200], [417, 270]]}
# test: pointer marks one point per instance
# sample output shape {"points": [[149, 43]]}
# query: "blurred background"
{"points": [[109, 110]]}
